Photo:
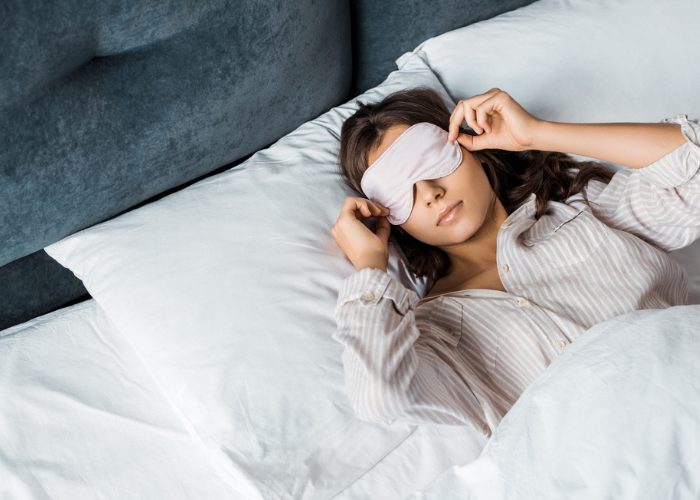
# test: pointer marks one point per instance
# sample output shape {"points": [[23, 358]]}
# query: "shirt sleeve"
{"points": [[391, 373], [659, 203]]}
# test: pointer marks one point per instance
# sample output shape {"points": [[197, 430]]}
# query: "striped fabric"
{"points": [[465, 357]]}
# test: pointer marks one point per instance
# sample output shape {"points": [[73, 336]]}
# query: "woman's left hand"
{"points": [[498, 119]]}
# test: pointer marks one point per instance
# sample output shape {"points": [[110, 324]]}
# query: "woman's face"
{"points": [[467, 184]]}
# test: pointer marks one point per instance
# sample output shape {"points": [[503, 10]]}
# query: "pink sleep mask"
{"points": [[422, 151]]}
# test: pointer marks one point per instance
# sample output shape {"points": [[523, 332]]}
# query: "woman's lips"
{"points": [[451, 215]]}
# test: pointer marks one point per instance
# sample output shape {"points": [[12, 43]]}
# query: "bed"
{"points": [[169, 181]]}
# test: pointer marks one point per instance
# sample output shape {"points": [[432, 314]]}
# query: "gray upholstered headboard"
{"points": [[106, 106]]}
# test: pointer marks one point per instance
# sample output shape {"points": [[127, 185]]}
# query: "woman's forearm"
{"points": [[633, 145]]}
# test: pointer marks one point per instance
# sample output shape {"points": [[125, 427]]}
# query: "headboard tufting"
{"points": [[129, 101]]}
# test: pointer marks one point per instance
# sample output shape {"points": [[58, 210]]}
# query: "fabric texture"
{"points": [[466, 356]]}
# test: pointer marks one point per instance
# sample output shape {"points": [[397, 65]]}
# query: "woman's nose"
{"points": [[427, 190]]}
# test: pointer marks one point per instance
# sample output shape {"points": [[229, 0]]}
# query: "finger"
{"points": [[482, 112], [460, 112], [380, 209], [383, 229], [455, 120], [471, 142], [477, 103], [352, 205], [349, 205], [486, 109], [373, 209], [470, 117], [365, 210], [463, 113], [465, 140], [457, 107]]}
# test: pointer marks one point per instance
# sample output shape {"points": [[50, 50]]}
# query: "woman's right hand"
{"points": [[363, 247]]}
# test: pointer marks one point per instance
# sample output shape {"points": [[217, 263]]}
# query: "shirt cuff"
{"points": [[680, 165], [370, 284]]}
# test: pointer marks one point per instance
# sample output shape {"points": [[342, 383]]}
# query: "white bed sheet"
{"points": [[81, 418]]}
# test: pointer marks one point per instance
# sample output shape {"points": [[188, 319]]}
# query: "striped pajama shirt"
{"points": [[465, 357]]}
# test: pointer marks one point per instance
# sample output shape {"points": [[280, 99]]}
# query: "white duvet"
{"points": [[616, 416]]}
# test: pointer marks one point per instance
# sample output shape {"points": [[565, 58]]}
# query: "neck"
{"points": [[479, 252]]}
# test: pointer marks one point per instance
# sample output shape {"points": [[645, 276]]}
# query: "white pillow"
{"points": [[578, 60], [81, 417], [587, 61], [227, 290]]}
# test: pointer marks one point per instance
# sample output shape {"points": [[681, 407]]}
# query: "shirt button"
{"points": [[505, 268], [522, 301], [561, 345], [368, 296]]}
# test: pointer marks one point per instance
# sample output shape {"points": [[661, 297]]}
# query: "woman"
{"points": [[538, 248]]}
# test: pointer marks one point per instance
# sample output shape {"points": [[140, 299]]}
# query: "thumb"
{"points": [[471, 142], [383, 229]]}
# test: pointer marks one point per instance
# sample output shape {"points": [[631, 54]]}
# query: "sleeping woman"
{"points": [[523, 247]]}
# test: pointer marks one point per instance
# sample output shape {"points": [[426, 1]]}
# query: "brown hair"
{"points": [[513, 175]]}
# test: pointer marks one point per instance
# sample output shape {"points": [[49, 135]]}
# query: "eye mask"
{"points": [[422, 151]]}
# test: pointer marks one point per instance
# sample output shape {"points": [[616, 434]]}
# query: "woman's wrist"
{"points": [[375, 265], [378, 260], [539, 136]]}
